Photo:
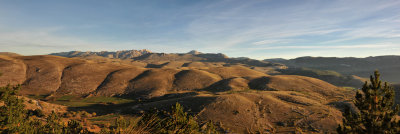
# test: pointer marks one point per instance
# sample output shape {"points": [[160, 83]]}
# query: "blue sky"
{"points": [[239, 28]]}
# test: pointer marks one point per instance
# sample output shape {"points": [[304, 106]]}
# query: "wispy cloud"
{"points": [[348, 21], [237, 28], [379, 45]]}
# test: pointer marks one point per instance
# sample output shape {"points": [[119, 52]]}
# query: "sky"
{"points": [[257, 29]]}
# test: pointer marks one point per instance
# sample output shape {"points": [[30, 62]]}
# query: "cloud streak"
{"points": [[387, 45]]}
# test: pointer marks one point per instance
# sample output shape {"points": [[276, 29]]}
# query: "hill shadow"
{"points": [[189, 100]]}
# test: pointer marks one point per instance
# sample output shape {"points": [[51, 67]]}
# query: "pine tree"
{"points": [[376, 113], [13, 116], [54, 124]]}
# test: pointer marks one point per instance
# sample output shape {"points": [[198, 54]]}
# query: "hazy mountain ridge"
{"points": [[124, 54], [159, 59], [389, 65]]}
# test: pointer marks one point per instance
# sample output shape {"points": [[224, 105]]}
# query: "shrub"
{"points": [[75, 127], [178, 121], [36, 112]]}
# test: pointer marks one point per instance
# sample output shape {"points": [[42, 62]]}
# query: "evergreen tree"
{"points": [[54, 124], [376, 113], [179, 122], [13, 116]]}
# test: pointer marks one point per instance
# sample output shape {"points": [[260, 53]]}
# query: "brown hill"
{"points": [[117, 81], [152, 83], [194, 79], [234, 71], [253, 111], [240, 99], [13, 70], [271, 111], [231, 84], [294, 83], [53, 74]]}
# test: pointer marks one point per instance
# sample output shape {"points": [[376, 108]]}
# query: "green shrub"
{"points": [[36, 112], [179, 122], [175, 122], [13, 116], [75, 127], [54, 124]]}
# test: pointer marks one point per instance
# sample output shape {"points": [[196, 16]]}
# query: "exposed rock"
{"points": [[125, 54], [194, 52]]}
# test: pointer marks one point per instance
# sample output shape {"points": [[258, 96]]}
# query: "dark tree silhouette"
{"points": [[376, 112]]}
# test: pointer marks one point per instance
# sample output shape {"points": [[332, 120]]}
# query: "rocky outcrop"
{"points": [[125, 54]]}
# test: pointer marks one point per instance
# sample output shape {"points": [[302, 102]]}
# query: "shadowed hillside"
{"points": [[388, 66], [332, 77]]}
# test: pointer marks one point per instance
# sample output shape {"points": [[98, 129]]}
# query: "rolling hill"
{"points": [[239, 98]]}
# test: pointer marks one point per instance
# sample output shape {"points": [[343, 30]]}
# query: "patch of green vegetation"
{"points": [[103, 99], [66, 98], [37, 96], [349, 88], [74, 101]]}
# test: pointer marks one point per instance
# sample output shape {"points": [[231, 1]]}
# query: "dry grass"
{"points": [[298, 102]]}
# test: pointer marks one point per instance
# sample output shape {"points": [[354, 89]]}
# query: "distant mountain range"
{"points": [[161, 59], [388, 66], [125, 54]]}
